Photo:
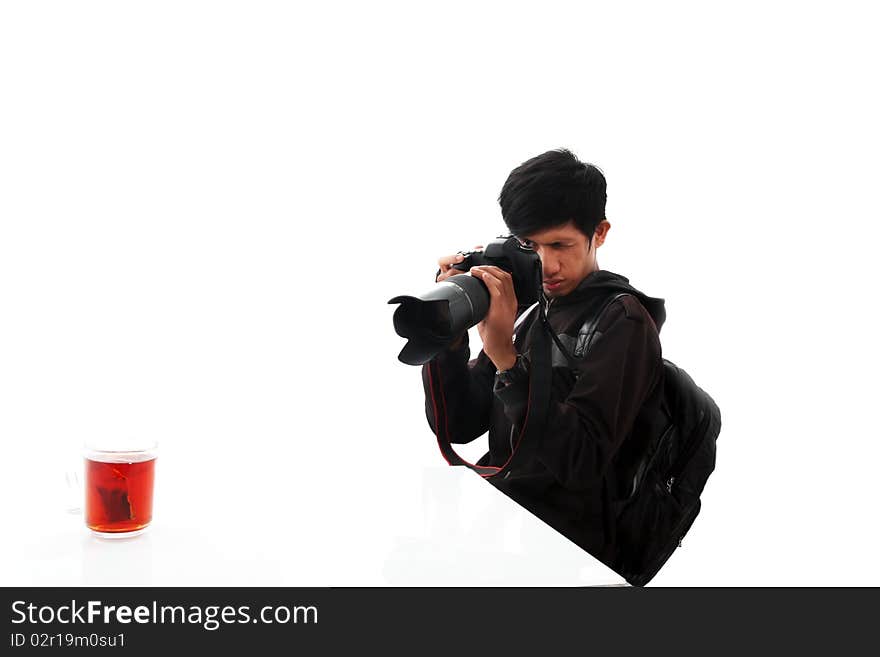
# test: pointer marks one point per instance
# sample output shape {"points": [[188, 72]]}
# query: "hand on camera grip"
{"points": [[449, 265]]}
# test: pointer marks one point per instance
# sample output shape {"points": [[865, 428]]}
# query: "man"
{"points": [[603, 407]]}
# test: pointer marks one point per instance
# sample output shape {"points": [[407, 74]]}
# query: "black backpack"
{"points": [[664, 500]]}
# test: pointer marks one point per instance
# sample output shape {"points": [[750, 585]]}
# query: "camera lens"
{"points": [[431, 321]]}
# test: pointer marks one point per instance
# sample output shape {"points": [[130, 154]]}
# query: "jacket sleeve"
{"points": [[585, 430], [466, 390]]}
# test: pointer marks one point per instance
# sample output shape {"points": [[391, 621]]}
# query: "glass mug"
{"points": [[118, 487]]}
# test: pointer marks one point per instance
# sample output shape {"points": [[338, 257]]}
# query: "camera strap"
{"points": [[525, 446]]}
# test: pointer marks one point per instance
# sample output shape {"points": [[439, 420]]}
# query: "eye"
{"points": [[526, 245]]}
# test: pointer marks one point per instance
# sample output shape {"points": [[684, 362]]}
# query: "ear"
{"points": [[601, 232]]}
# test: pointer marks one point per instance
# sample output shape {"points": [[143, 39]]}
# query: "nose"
{"points": [[549, 264]]}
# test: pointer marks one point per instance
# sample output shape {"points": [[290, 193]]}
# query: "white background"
{"points": [[206, 206]]}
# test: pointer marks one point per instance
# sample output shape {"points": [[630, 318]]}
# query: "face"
{"points": [[566, 255]]}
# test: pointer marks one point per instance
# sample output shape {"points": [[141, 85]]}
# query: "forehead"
{"points": [[564, 233]]}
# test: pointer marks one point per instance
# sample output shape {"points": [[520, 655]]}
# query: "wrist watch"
{"points": [[506, 376]]}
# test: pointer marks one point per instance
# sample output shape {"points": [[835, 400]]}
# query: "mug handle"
{"points": [[73, 501]]}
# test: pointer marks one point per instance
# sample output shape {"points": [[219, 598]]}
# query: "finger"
{"points": [[506, 281], [449, 273], [503, 277], [447, 261], [485, 272], [497, 272], [495, 291], [492, 283]]}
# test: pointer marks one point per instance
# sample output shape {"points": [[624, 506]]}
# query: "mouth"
{"points": [[553, 283]]}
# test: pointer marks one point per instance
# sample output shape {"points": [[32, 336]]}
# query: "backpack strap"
{"points": [[586, 335], [588, 332]]}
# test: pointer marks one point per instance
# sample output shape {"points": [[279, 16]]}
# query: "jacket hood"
{"points": [[604, 281]]}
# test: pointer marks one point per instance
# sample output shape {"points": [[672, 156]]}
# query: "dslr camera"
{"points": [[430, 322]]}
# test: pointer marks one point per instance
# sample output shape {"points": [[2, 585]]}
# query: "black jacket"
{"points": [[602, 412]]}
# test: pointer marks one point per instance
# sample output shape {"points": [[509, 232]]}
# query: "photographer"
{"points": [[603, 405]]}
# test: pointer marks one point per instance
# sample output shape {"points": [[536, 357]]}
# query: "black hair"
{"points": [[550, 190]]}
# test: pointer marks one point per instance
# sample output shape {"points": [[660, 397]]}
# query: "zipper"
{"points": [[690, 449], [646, 465]]}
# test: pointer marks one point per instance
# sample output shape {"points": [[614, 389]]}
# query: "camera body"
{"points": [[507, 253], [432, 321]]}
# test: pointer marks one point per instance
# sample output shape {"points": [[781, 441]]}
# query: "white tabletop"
{"points": [[458, 530]]}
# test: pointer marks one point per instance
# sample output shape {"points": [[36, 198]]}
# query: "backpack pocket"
{"points": [[650, 525]]}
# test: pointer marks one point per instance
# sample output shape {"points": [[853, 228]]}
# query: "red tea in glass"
{"points": [[119, 491]]}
